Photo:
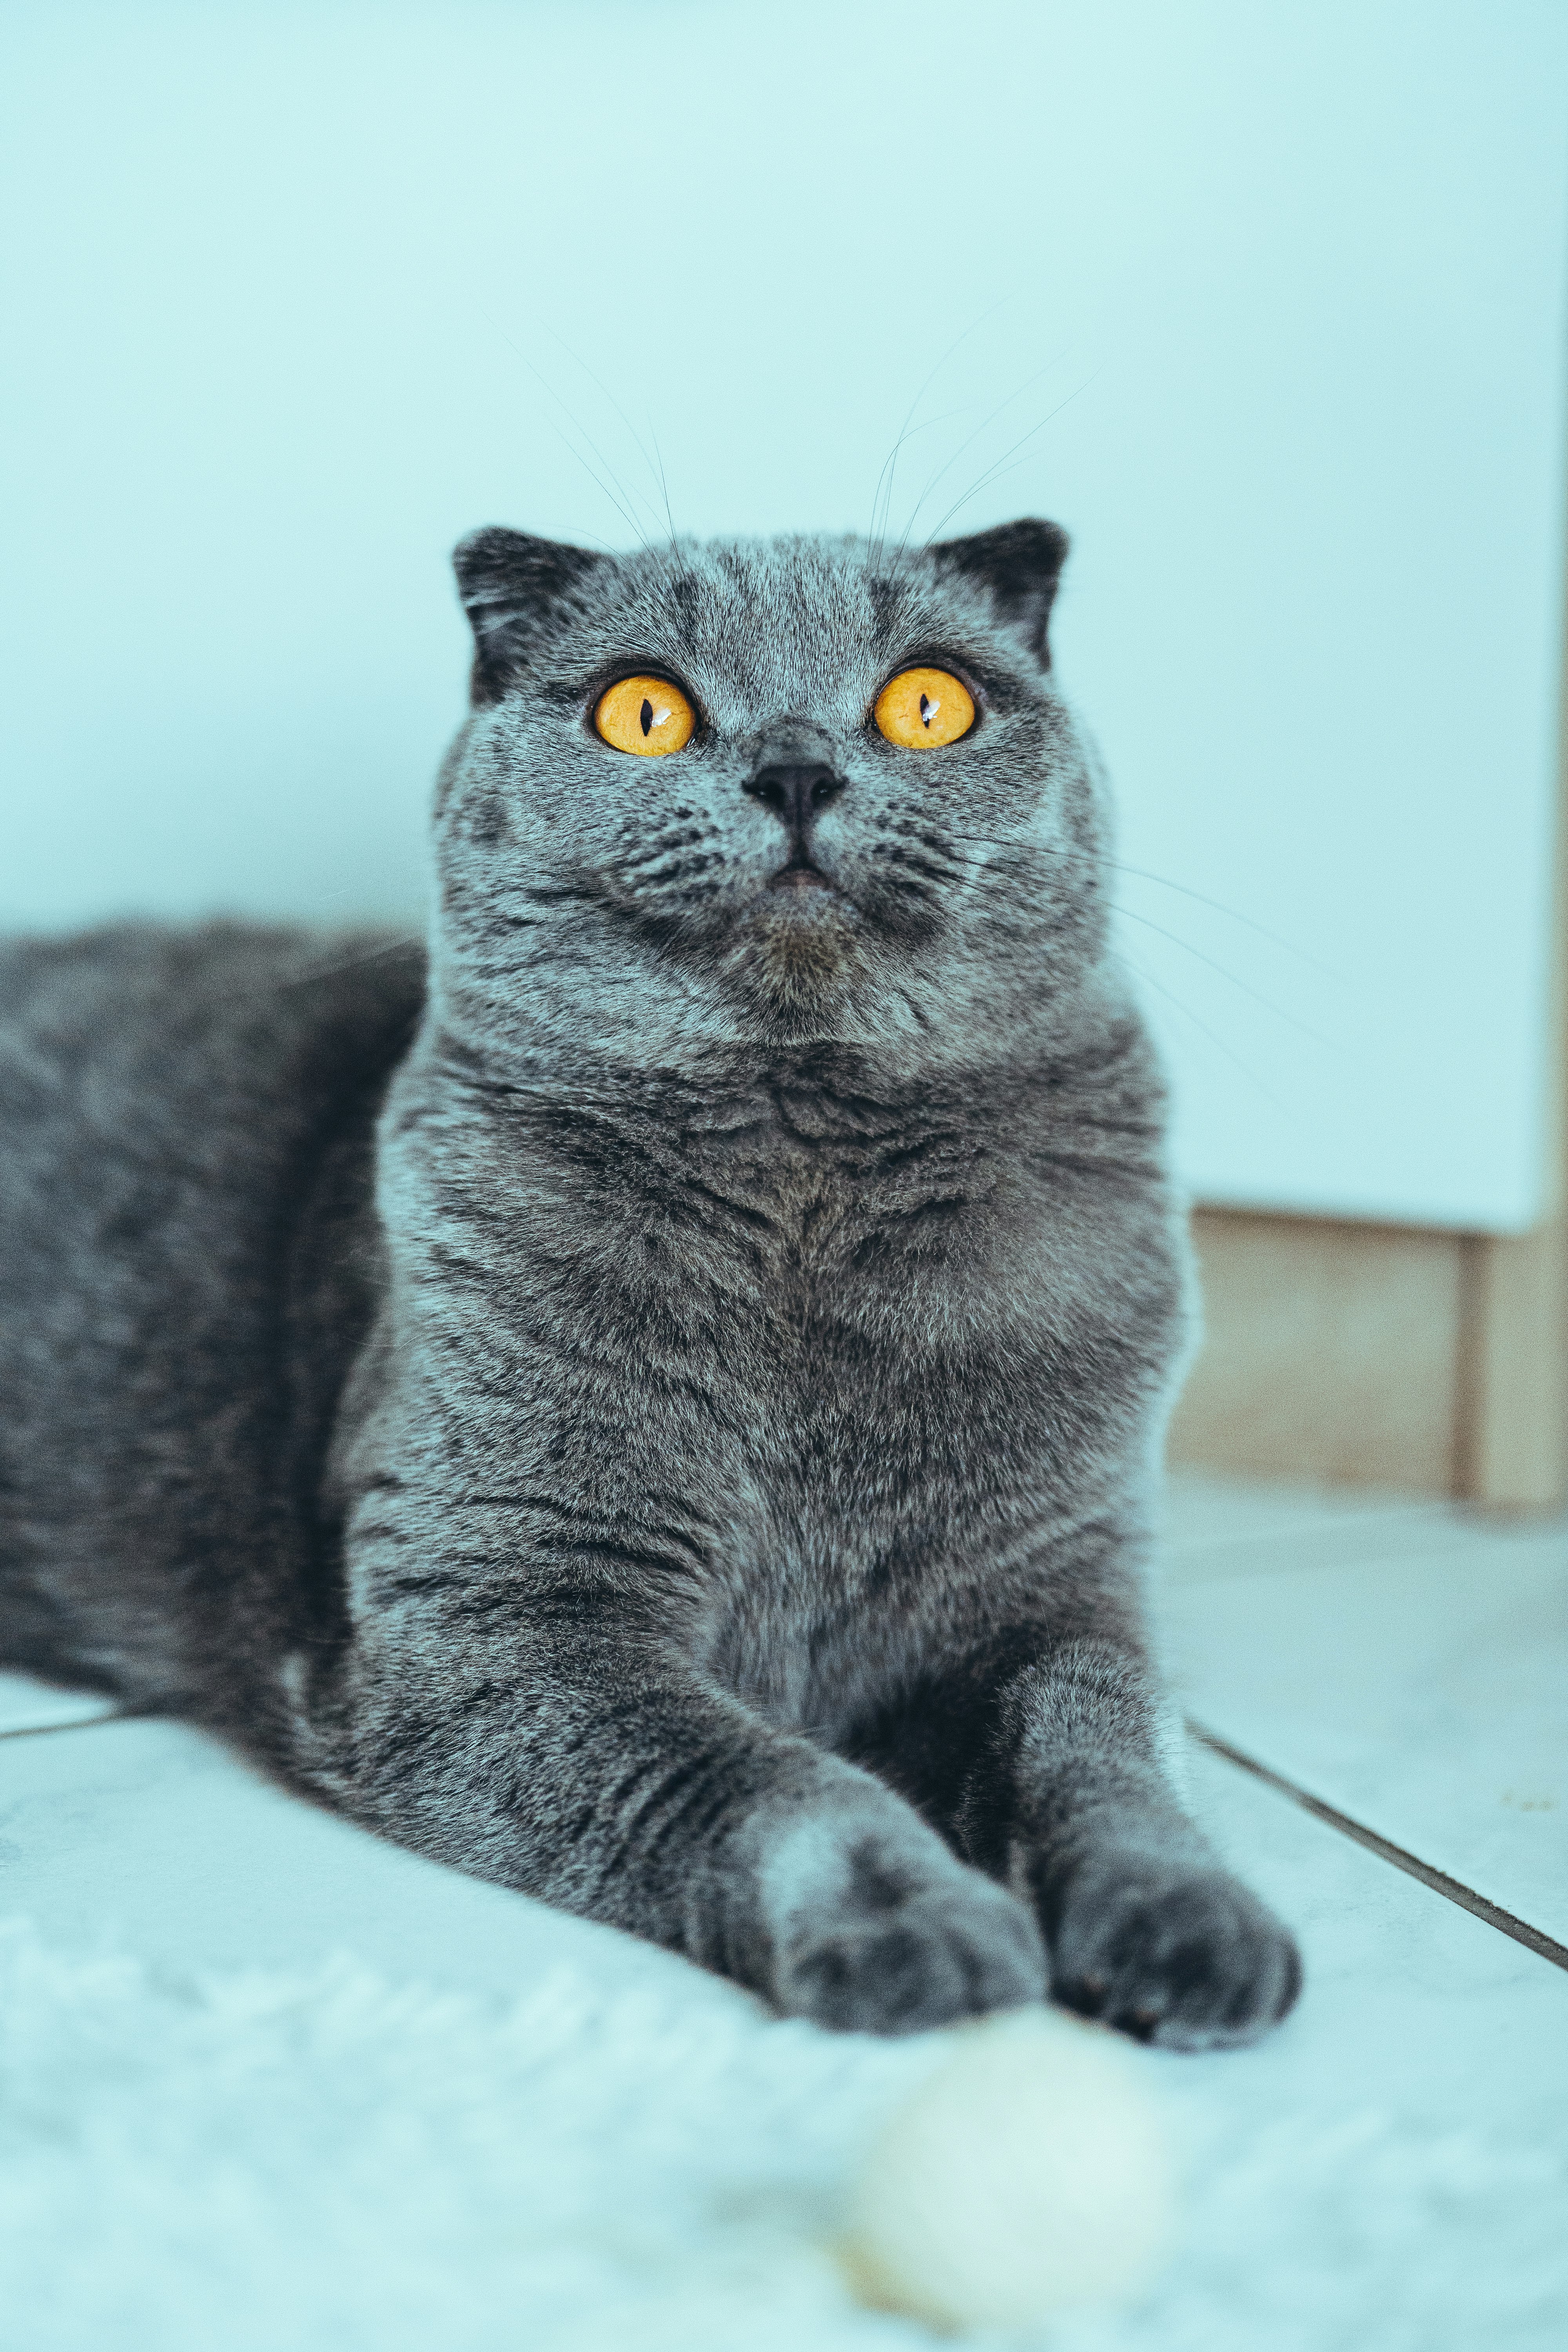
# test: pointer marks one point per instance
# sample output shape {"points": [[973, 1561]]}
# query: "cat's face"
{"points": [[793, 872]]}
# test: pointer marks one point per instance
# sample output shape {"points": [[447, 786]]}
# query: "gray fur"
{"points": [[660, 1408]]}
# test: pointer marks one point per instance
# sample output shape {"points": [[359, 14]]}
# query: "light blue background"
{"points": [[1264, 303]]}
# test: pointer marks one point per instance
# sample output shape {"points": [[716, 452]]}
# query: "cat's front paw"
{"points": [[899, 1959], [1173, 1953]]}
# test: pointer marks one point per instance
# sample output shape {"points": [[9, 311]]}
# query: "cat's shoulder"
{"points": [[88, 984], [145, 1011]]}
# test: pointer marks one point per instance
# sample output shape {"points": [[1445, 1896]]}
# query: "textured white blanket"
{"points": [[331, 2162]]}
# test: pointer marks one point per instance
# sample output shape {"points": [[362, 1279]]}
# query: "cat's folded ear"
{"points": [[510, 584], [1020, 563]]}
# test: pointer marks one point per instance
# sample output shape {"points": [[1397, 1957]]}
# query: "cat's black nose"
{"points": [[795, 792]]}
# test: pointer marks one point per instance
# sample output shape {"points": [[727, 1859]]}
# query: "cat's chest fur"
{"points": [[817, 1199], [807, 1341], [783, 1231]]}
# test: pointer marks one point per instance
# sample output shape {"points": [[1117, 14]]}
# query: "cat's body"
{"points": [[694, 1459]]}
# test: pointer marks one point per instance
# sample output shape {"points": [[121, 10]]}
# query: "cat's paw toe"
{"points": [[1186, 1957], [930, 1956]]}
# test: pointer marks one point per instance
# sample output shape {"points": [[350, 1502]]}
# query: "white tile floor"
{"points": [[1408, 1667], [1402, 1664]]}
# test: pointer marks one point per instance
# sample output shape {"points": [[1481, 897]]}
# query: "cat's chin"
{"points": [[826, 987], [797, 960], [802, 929]]}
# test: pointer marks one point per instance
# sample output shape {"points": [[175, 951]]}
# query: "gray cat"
{"points": [[660, 1406]]}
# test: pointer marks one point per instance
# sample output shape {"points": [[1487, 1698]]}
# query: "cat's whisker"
{"points": [[667, 843], [1000, 409], [1213, 1035], [910, 886], [1257, 995], [924, 862], [1218, 906], [910, 433], [981, 869], [620, 495], [671, 861], [995, 472], [889, 463], [595, 379], [1277, 938], [681, 564], [327, 968], [681, 881]]}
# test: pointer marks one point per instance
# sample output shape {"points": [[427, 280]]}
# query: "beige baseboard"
{"points": [[1382, 1356]]}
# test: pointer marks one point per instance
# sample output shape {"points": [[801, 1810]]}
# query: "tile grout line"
{"points": [[1453, 1889], [77, 1722], [1533, 1939]]}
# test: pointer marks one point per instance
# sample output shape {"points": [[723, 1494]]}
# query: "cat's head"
{"points": [[834, 850]]}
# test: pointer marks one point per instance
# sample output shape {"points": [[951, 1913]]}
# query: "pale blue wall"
{"points": [[300, 295]]}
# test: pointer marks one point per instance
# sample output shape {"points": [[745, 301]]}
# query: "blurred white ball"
{"points": [[1030, 2173]]}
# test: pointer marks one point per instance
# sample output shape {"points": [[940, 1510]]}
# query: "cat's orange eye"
{"points": [[645, 714], [922, 707]]}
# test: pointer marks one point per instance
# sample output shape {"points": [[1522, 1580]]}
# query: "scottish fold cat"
{"points": [[658, 1400]]}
